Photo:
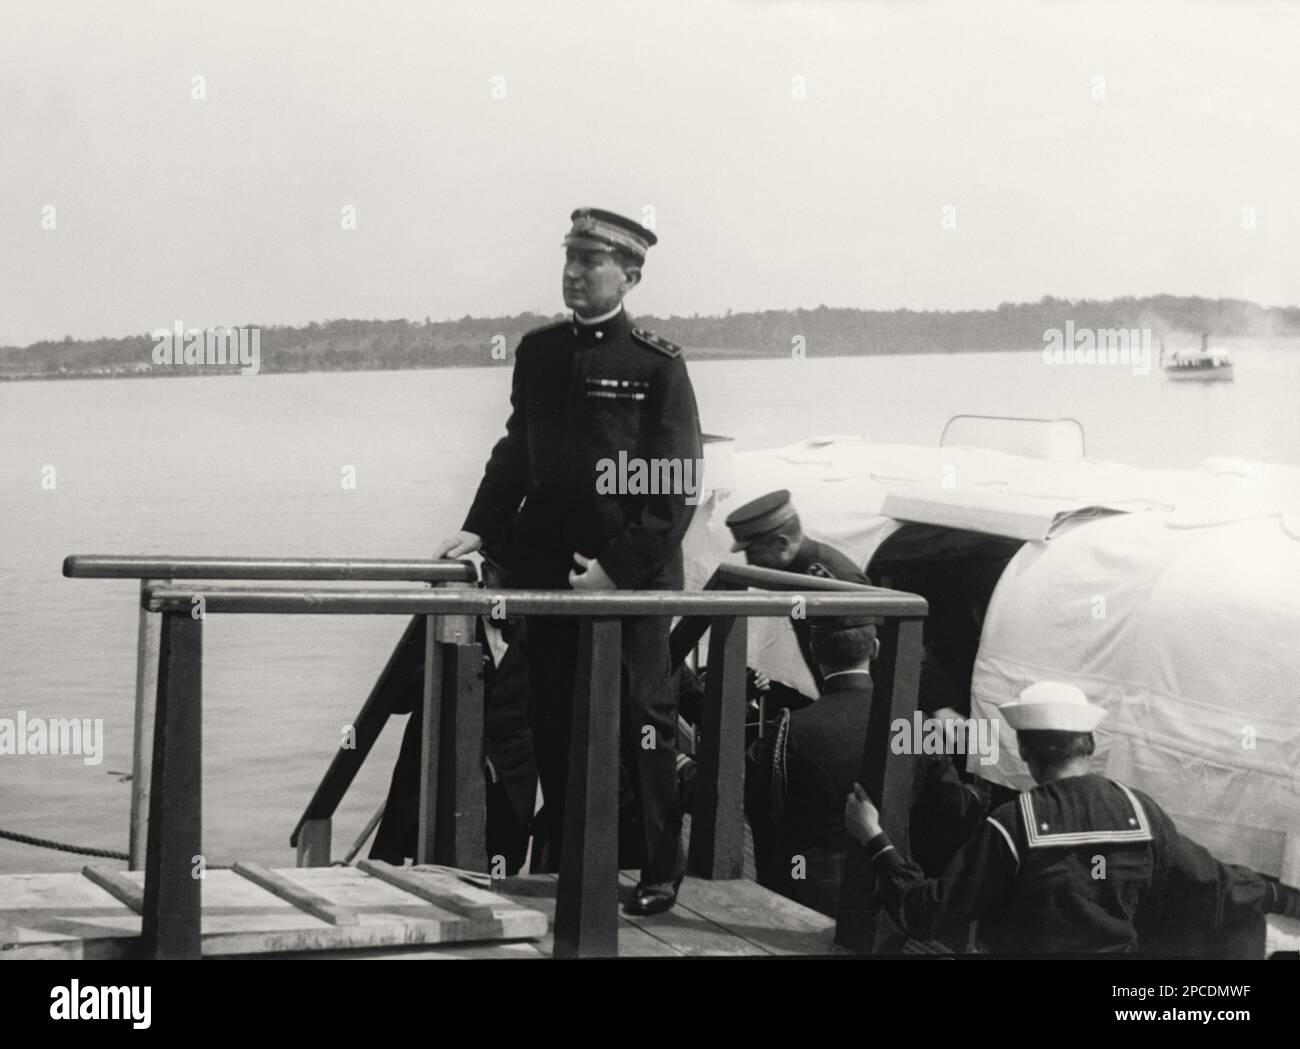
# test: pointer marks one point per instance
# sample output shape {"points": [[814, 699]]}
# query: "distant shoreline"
{"points": [[182, 371], [404, 345]]}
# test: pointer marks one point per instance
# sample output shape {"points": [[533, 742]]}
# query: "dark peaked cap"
{"points": [[597, 230], [759, 517]]}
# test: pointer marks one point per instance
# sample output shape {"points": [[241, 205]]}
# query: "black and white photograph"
{"points": [[629, 482]]}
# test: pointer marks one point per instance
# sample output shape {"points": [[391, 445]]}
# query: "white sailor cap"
{"points": [[1052, 706]]}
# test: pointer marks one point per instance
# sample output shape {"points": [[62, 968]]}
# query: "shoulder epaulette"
{"points": [[649, 338]]}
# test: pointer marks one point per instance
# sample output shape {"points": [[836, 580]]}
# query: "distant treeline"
{"points": [[356, 345]]}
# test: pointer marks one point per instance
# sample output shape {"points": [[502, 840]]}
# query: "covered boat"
{"points": [[1169, 596]]}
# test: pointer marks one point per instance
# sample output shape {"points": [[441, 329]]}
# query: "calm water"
{"points": [[253, 465]]}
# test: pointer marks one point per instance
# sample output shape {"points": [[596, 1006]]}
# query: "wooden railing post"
{"points": [[315, 840], [171, 916], [887, 778], [461, 812], [146, 699], [718, 819], [586, 905], [453, 800], [430, 750]]}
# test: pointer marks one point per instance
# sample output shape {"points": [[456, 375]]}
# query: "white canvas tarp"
{"points": [[1180, 614]]}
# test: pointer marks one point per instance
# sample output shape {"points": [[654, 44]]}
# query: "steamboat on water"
{"points": [[1203, 365]]}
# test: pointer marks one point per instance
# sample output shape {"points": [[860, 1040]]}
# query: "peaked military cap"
{"points": [[759, 517], [597, 230]]}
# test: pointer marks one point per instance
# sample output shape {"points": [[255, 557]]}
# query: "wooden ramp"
{"points": [[252, 910], [377, 911], [712, 919]]}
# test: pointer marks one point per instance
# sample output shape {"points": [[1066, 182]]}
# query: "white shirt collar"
{"points": [[591, 322], [845, 673]]}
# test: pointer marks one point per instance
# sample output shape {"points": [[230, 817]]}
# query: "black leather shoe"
{"points": [[653, 899]]}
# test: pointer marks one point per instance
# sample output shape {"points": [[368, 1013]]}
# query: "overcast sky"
{"points": [[227, 209]]}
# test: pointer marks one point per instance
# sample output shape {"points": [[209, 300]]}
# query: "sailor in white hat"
{"points": [[1079, 864], [1051, 706]]}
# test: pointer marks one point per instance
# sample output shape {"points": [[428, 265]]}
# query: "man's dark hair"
{"points": [[1051, 748], [791, 530], [843, 648], [627, 260]]}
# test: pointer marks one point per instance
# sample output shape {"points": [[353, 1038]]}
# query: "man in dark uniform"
{"points": [[768, 532], [1079, 864], [592, 397], [797, 774]]}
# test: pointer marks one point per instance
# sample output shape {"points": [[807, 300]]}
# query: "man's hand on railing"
{"points": [[589, 575], [457, 545]]}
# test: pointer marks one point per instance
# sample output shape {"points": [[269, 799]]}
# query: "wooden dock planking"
{"points": [[304, 899], [538, 892], [73, 916], [438, 887], [120, 887], [368, 895], [712, 918], [687, 931], [58, 915], [766, 919], [513, 950]]}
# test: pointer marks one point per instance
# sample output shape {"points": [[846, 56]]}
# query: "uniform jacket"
{"points": [[581, 395], [1081, 865], [796, 780], [937, 687], [824, 562]]}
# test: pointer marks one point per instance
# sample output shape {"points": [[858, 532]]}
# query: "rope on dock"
{"points": [[47, 843], [83, 850]]}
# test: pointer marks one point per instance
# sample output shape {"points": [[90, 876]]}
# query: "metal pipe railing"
{"points": [[312, 834], [154, 568], [268, 601], [286, 569], [777, 579], [586, 911], [586, 904]]}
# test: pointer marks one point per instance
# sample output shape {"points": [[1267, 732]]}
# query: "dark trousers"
{"points": [[648, 701], [506, 836], [399, 830]]}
